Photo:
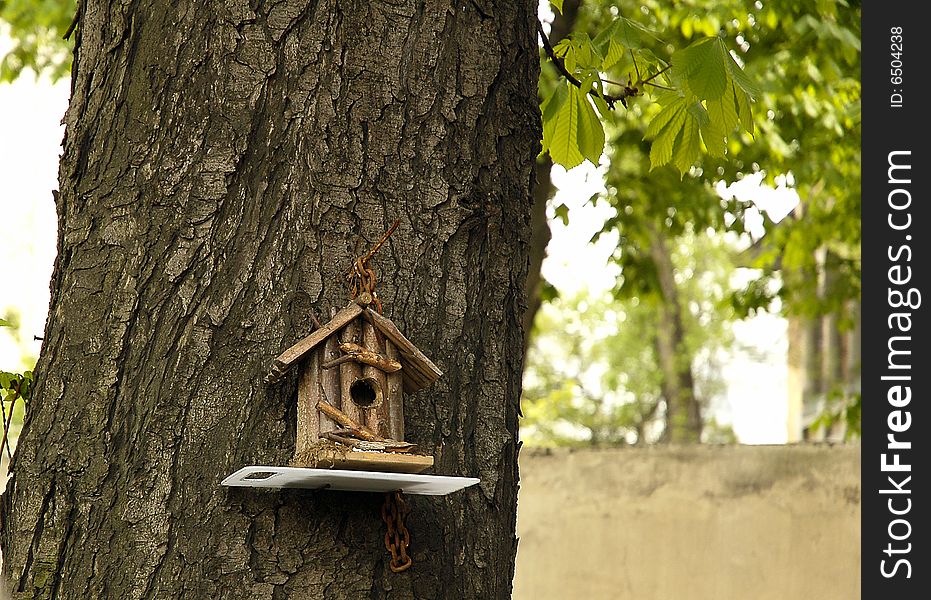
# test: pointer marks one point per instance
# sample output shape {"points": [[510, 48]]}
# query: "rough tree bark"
{"points": [[220, 166]]}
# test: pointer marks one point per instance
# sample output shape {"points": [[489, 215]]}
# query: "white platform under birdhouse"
{"points": [[350, 481]]}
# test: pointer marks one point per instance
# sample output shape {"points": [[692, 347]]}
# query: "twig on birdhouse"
{"points": [[362, 355], [365, 356], [340, 417], [338, 361], [342, 436]]}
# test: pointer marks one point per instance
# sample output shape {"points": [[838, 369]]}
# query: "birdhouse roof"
{"points": [[417, 370]]}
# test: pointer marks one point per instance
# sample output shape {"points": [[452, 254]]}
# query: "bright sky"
{"points": [[30, 145]]}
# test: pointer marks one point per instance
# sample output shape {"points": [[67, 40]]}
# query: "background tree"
{"points": [[813, 132], [810, 96], [592, 376], [220, 167]]}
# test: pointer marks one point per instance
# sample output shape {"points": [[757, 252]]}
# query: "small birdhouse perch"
{"points": [[353, 373]]}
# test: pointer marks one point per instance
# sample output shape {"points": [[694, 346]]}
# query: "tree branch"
{"points": [[8, 421], [74, 21], [557, 61]]}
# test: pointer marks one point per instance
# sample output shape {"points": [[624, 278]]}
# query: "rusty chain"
{"points": [[362, 282], [362, 279], [397, 539], [361, 276]]}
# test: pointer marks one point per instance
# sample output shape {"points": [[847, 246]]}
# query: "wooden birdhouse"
{"points": [[353, 373]]}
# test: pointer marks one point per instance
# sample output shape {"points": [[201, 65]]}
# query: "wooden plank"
{"points": [[308, 394], [414, 379], [376, 416], [387, 462], [329, 379], [348, 373], [411, 357], [394, 397], [286, 359]]}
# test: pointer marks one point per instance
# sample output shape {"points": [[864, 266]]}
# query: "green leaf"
{"points": [[5, 323], [704, 68], [724, 111], [562, 142], [557, 4], [566, 49], [740, 77], [714, 133], [550, 109], [552, 104], [589, 80], [585, 50], [613, 53], [699, 114], [710, 74], [664, 130], [688, 146], [570, 61], [591, 134], [573, 132], [562, 213], [603, 107], [621, 35], [662, 119], [629, 33], [578, 52], [562, 46], [743, 110]]}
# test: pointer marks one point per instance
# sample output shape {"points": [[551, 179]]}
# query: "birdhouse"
{"points": [[353, 373], [352, 376]]}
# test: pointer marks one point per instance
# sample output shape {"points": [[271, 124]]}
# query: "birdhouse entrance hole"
{"points": [[365, 393]]}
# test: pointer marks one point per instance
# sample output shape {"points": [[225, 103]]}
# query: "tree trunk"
{"points": [[833, 388], [797, 384], [683, 413], [222, 167]]}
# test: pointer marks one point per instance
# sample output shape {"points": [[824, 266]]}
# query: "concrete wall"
{"points": [[690, 523]]}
